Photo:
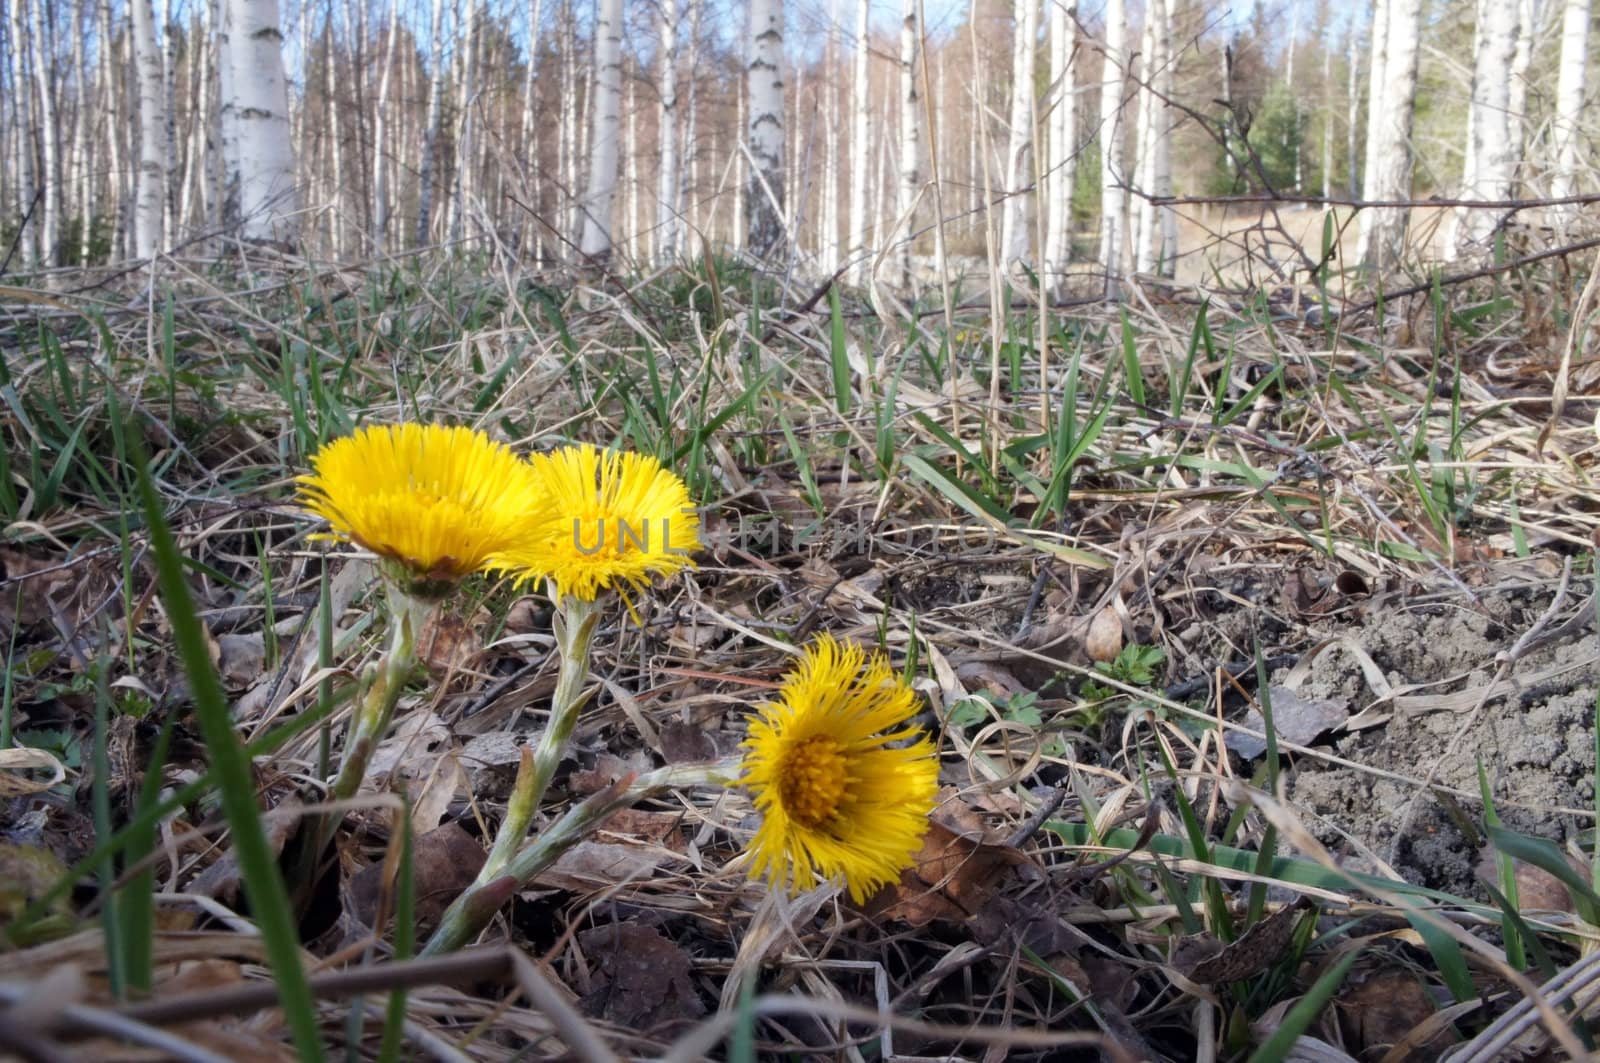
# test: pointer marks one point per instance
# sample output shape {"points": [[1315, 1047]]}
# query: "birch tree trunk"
{"points": [[1489, 172], [828, 214], [529, 228], [466, 192], [150, 199], [1566, 136], [1060, 169], [1352, 161], [1113, 210], [764, 228], [1166, 217], [595, 243], [1379, 53], [430, 137], [860, 118], [1527, 24], [20, 161], [860, 157], [910, 121], [1327, 112], [169, 110], [666, 241], [49, 135], [83, 193], [261, 172], [381, 163], [1388, 176], [689, 195], [1019, 144]]}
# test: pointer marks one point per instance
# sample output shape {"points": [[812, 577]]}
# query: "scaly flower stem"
{"points": [[472, 911], [382, 683], [574, 623]]}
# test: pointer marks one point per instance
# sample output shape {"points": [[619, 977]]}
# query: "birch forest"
{"points": [[1089, 141]]}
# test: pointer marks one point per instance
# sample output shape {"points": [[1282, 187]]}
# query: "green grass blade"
{"points": [[1546, 855], [269, 899], [1305, 1011], [136, 903], [100, 801], [838, 353], [405, 942]]}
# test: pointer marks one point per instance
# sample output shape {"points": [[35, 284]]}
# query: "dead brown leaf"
{"points": [[686, 743], [1295, 719], [241, 659], [444, 861], [640, 979], [956, 872], [193, 976], [1205, 959], [20, 767], [656, 828], [1537, 889], [221, 880], [595, 865], [450, 644], [1383, 1010], [47, 579], [1104, 639]]}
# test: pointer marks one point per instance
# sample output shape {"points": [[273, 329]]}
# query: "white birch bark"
{"points": [[1378, 41], [169, 63], [1565, 134], [20, 176], [860, 118], [261, 173], [84, 206], [666, 236], [381, 163], [431, 130], [1060, 169], [690, 193], [828, 220], [1352, 161], [465, 198], [631, 169], [49, 136], [531, 230], [596, 241], [1141, 212], [910, 123], [192, 194], [150, 199], [1019, 142], [1167, 217], [1327, 114], [764, 229], [1113, 210], [335, 141], [1388, 177], [1527, 24], [1489, 160]]}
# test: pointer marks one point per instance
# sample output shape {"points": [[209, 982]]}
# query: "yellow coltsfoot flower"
{"points": [[842, 789], [434, 502], [608, 519]]}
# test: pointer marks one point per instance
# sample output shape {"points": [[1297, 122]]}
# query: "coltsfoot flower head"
{"points": [[843, 786], [607, 519], [434, 502]]}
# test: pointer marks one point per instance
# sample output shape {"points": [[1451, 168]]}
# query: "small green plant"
{"points": [[1136, 666], [1021, 707]]}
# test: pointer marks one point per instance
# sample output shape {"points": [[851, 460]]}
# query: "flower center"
{"points": [[812, 780]]}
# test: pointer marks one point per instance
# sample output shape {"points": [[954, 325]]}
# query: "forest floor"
{"points": [[1260, 649]]}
